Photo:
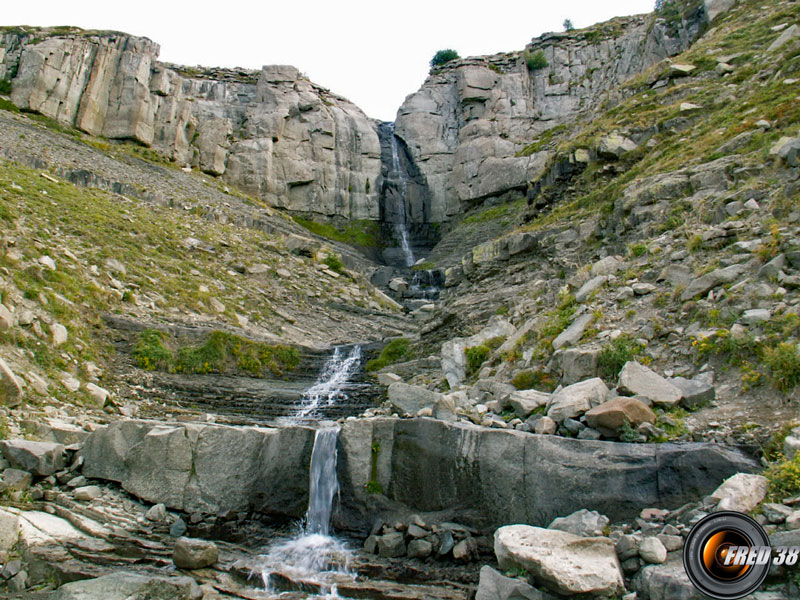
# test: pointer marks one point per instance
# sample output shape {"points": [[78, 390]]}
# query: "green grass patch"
{"points": [[221, 352], [476, 356], [363, 232], [395, 351], [8, 105], [534, 379], [334, 263], [543, 141], [783, 479], [493, 213]]}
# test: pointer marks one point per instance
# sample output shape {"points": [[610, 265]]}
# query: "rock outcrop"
{"points": [[273, 133], [467, 126]]}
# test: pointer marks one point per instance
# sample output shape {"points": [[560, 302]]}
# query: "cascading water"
{"points": [[328, 389], [314, 555], [397, 174]]}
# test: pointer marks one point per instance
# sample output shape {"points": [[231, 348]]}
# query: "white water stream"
{"points": [[313, 555]]}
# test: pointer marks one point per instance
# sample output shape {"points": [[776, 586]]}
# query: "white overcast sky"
{"points": [[373, 53]]}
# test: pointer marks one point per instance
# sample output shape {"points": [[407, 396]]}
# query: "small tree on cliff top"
{"points": [[443, 56]]}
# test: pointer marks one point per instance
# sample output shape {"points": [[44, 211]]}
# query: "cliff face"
{"points": [[273, 133], [468, 123]]}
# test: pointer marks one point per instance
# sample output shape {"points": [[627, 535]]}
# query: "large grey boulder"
{"points": [[576, 399], [743, 492], [525, 402], [563, 562], [714, 8], [205, 468], [637, 380], [125, 586], [408, 400], [575, 364], [39, 458], [573, 334], [490, 477], [583, 522], [495, 586], [695, 393], [709, 281]]}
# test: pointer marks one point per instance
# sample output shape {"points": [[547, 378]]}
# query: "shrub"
{"points": [[476, 356], [784, 365], [334, 263], [783, 479], [150, 352], [536, 60], [443, 56], [395, 351], [637, 249], [529, 380], [568, 26], [614, 355]]}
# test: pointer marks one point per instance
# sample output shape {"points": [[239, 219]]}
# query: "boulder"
{"points": [[709, 281], [575, 364], [791, 445], [545, 426], [125, 586], [652, 551], [524, 402], [6, 318], [59, 334], [391, 545], [563, 562], [609, 265], [714, 8], [574, 400], [98, 394], [10, 387], [786, 36], [695, 393], [494, 586], [610, 416], [742, 492], [190, 553], [408, 400], [88, 493], [590, 287], [637, 380], [9, 530], [39, 458], [573, 334], [16, 480], [421, 549], [583, 522], [465, 550], [613, 146], [156, 513]]}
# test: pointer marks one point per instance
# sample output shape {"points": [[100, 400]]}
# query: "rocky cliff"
{"points": [[273, 133], [470, 123]]}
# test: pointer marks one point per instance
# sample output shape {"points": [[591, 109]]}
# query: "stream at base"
{"points": [[313, 555]]}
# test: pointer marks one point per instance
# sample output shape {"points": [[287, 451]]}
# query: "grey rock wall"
{"points": [[273, 133]]}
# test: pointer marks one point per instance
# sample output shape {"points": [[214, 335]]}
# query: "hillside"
{"points": [[564, 283]]}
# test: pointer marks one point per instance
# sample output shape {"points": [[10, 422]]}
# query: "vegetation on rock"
{"points": [[443, 56]]}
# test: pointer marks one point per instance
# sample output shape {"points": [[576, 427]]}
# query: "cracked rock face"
{"points": [[273, 133], [469, 122]]}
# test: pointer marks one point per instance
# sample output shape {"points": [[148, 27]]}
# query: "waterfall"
{"points": [[328, 388], [313, 554], [323, 484], [397, 174]]}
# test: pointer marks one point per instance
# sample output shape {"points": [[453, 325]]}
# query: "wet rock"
{"points": [[574, 400], [566, 563], [124, 586], [742, 492], [652, 551], [190, 553], [637, 380], [610, 416], [585, 523], [40, 458], [391, 545], [494, 586]]}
